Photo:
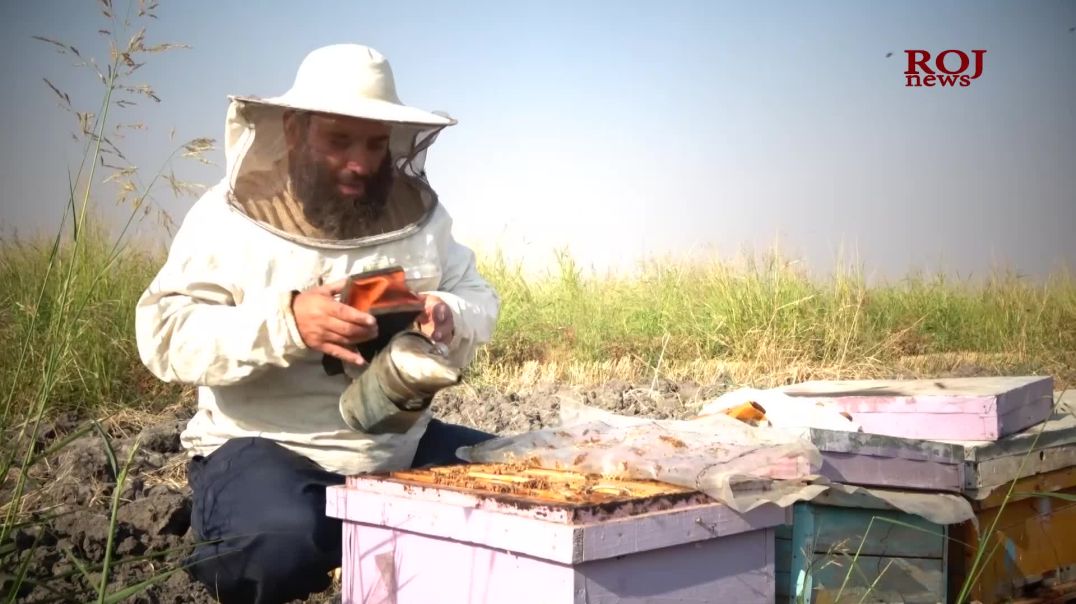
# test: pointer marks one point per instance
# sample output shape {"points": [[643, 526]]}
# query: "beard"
{"points": [[337, 215]]}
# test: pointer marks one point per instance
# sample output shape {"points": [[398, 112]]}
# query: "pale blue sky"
{"points": [[630, 129]]}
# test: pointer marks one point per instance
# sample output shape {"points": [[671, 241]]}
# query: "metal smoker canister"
{"points": [[390, 395]]}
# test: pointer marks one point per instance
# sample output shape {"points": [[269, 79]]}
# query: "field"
{"points": [[753, 322], [659, 343], [93, 494]]}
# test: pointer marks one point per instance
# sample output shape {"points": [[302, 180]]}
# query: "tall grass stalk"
{"points": [[982, 554], [52, 289], [121, 479], [56, 337], [855, 559]]}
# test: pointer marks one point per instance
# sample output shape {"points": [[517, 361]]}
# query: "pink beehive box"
{"points": [[964, 409], [474, 534]]}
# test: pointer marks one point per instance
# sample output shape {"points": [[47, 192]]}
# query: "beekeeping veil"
{"points": [[341, 81]]}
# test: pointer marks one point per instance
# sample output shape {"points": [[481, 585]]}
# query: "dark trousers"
{"points": [[259, 516]]}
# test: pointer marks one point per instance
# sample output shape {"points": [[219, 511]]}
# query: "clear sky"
{"points": [[633, 129]]}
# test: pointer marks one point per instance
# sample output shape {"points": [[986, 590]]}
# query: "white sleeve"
{"points": [[194, 324]]}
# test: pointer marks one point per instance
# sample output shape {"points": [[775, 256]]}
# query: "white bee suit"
{"points": [[218, 314]]}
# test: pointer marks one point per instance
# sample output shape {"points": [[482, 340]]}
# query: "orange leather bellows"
{"points": [[381, 291], [384, 294]]}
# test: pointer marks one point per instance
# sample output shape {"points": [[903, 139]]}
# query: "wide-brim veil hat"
{"points": [[349, 80]]}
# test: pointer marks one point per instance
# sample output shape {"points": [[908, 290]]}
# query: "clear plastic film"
{"points": [[786, 413], [740, 465]]}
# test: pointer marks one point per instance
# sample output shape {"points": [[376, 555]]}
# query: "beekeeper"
{"points": [[323, 182]]}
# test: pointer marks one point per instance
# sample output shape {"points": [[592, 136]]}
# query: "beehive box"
{"points": [[876, 460], [1034, 538], [495, 533], [1037, 450], [833, 553], [985, 408]]}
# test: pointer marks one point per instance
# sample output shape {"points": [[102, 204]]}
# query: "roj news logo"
{"points": [[947, 68]]}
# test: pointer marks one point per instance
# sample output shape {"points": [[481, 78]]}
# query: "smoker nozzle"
{"points": [[390, 395]]}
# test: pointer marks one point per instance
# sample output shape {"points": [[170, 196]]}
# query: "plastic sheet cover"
{"points": [[740, 465], [717, 455]]}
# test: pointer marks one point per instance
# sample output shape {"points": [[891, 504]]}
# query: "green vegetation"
{"points": [[67, 324], [763, 322], [65, 329], [754, 323], [100, 370]]}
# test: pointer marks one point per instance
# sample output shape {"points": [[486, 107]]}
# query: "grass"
{"points": [[101, 373], [761, 323], [750, 323], [67, 311], [63, 333]]}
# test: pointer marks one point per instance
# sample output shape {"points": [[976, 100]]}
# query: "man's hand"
{"points": [[329, 326], [436, 320]]}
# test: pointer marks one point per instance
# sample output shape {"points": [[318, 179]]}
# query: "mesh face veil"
{"points": [[337, 160], [290, 185]]}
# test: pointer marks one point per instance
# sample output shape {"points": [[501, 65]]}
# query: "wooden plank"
{"points": [[930, 426], [969, 386], [839, 529], [893, 580], [881, 445], [804, 561], [398, 567], [1003, 470], [1057, 480], [781, 581], [944, 409], [383, 566], [783, 553], [821, 533], [844, 500], [733, 569], [1064, 593], [610, 538], [866, 459], [551, 540], [865, 470], [782, 561], [1060, 429], [1033, 538], [1031, 412]]}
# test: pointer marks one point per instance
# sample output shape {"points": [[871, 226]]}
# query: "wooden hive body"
{"points": [[1039, 449], [1034, 537], [898, 557], [496, 534]]}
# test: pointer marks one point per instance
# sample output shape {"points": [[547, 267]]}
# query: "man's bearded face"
{"points": [[340, 169]]}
